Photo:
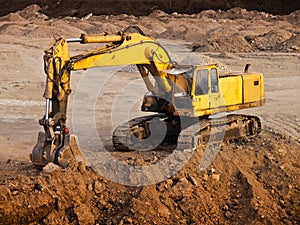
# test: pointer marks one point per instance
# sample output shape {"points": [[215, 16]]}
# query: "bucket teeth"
{"points": [[71, 152], [39, 156], [42, 153]]}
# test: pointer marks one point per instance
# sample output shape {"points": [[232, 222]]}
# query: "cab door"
{"points": [[214, 92], [200, 91]]}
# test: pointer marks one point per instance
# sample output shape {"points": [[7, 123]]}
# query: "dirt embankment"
{"points": [[253, 182], [145, 7], [235, 30]]}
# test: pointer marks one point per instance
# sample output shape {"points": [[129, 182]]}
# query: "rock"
{"points": [[205, 177], [169, 183], [84, 215], [295, 48], [81, 167], [158, 13], [238, 195], [87, 16], [215, 177], [89, 187], [99, 187], [50, 167], [128, 220], [38, 187], [226, 207], [235, 202], [181, 188], [228, 214], [163, 211], [161, 187], [193, 180], [282, 203]]}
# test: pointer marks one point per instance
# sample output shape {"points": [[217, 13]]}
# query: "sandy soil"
{"points": [[252, 182]]}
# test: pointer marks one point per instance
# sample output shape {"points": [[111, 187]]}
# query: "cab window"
{"points": [[201, 82], [214, 81]]}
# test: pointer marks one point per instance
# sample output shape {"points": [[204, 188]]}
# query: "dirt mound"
{"points": [[144, 7], [252, 182], [271, 40], [235, 30], [31, 23], [294, 17], [32, 12]]}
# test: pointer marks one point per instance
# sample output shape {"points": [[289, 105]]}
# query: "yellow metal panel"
{"points": [[201, 102], [231, 90], [262, 87], [252, 87]]}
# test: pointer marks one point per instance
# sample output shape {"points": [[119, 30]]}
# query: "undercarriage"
{"points": [[158, 131]]}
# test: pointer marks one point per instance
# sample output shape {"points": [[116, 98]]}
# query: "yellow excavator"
{"points": [[179, 96]]}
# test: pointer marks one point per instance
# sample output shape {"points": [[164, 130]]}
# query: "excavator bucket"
{"points": [[70, 152], [44, 152]]}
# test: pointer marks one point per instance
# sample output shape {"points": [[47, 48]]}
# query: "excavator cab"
{"points": [[195, 91], [206, 94], [178, 100]]}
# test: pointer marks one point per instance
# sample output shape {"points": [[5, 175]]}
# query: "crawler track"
{"points": [[182, 132]]}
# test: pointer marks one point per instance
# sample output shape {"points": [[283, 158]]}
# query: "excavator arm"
{"points": [[55, 144]]}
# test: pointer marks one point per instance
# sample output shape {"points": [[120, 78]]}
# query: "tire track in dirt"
{"points": [[283, 124]]}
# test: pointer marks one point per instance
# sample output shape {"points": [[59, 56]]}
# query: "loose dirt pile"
{"points": [[252, 182], [80, 8], [235, 30]]}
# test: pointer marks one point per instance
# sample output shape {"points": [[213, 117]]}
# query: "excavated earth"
{"points": [[251, 181]]}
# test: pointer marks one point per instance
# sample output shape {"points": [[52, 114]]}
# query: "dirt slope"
{"points": [[235, 30], [144, 7], [254, 182]]}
